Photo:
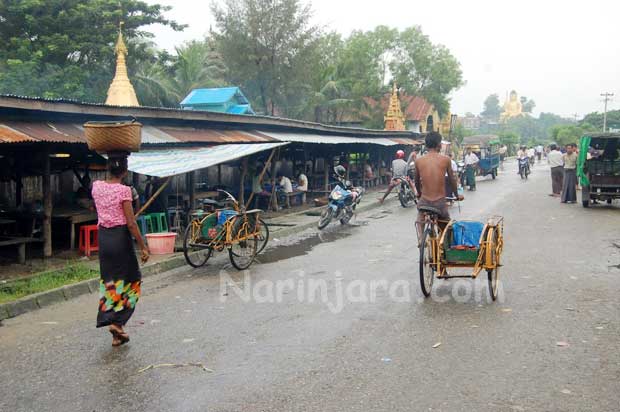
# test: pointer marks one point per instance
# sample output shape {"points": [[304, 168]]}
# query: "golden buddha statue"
{"points": [[512, 107]]}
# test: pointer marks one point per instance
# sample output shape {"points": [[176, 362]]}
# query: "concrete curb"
{"points": [[43, 299]]}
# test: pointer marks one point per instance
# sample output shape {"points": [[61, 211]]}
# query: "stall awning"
{"points": [[329, 139], [172, 162]]}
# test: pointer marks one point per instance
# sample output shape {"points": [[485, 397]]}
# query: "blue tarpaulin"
{"points": [[467, 233]]}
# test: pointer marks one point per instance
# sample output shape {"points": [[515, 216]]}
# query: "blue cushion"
{"points": [[467, 233]]}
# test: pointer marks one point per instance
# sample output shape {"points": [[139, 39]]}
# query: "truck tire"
{"points": [[585, 196]]}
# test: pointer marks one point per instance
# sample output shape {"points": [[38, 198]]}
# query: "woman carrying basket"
{"points": [[120, 274]]}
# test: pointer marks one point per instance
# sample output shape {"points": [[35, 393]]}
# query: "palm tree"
{"points": [[197, 65]]}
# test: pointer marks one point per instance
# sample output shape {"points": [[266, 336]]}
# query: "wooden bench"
{"points": [[20, 242]]}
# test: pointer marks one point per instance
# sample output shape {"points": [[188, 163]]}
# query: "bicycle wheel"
{"points": [[194, 255], [244, 246], [493, 274], [263, 235], [427, 271]]}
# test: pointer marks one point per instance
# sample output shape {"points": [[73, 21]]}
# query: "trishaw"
{"points": [[598, 168], [461, 244], [486, 147], [242, 232]]}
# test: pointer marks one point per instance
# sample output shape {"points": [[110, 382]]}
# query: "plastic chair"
{"points": [[160, 222], [89, 239], [143, 225]]}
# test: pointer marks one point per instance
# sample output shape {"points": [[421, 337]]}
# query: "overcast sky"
{"points": [[562, 54]]}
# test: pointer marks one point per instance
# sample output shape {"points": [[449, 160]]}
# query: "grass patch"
{"points": [[71, 273]]}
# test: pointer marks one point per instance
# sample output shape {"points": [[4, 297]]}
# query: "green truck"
{"points": [[598, 168]]}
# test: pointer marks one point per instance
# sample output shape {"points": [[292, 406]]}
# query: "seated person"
{"points": [[286, 187], [302, 181]]}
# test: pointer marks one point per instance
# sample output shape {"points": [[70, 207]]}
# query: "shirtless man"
{"points": [[430, 182]]}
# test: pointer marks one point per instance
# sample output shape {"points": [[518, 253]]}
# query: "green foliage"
{"points": [[596, 120], [492, 109], [268, 48], [527, 104], [460, 132], [565, 134], [71, 273], [423, 68], [64, 48]]}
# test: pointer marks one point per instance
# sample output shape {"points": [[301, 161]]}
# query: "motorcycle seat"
{"points": [[430, 210]]}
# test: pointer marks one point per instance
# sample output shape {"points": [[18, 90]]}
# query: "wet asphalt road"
{"points": [[550, 344]]}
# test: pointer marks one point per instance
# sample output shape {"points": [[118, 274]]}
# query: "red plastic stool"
{"points": [[89, 239]]}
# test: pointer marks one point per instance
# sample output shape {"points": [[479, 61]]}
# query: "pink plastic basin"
{"points": [[161, 243]]}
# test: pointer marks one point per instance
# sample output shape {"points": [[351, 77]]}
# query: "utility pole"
{"points": [[576, 115], [607, 97]]}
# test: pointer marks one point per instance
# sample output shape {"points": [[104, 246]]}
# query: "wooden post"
{"points": [[191, 189], [326, 167], [219, 174], [18, 183], [274, 198], [148, 202], [244, 172], [47, 206], [260, 177]]}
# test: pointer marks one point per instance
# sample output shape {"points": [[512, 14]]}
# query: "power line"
{"points": [[607, 97]]}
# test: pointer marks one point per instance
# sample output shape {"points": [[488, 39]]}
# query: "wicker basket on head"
{"points": [[105, 137]]}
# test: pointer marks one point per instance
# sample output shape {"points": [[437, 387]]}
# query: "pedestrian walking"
{"points": [[569, 192], [119, 285], [556, 162], [471, 160]]}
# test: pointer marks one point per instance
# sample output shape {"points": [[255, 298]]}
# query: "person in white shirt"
{"points": [[471, 162], [539, 152], [302, 185], [522, 152], [556, 162], [285, 187]]}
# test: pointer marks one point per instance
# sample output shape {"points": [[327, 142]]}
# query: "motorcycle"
{"points": [[341, 204], [405, 194], [524, 167]]}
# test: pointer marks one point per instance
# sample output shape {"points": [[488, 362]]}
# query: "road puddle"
{"points": [[301, 247]]}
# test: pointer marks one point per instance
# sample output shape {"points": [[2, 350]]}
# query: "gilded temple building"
{"points": [[121, 92], [394, 118]]}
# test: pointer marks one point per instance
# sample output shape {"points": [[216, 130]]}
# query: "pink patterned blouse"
{"points": [[109, 198]]}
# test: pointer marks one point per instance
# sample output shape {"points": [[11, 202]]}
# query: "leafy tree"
{"points": [[566, 134], [197, 65], [423, 68], [268, 47], [492, 109], [596, 120], [510, 139], [527, 104], [65, 46]]}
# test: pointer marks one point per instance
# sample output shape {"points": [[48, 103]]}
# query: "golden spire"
{"points": [[394, 119], [121, 92]]}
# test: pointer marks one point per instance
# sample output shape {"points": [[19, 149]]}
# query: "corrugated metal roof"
{"points": [[9, 135], [164, 163], [191, 135], [213, 96], [35, 107], [21, 132], [326, 139], [48, 132]]}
